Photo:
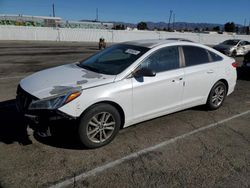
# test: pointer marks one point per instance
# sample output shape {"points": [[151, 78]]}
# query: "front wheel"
{"points": [[217, 96], [99, 125]]}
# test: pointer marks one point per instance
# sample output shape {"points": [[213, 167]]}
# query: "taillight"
{"points": [[235, 64]]}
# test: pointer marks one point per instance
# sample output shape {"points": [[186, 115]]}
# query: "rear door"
{"points": [[200, 75]]}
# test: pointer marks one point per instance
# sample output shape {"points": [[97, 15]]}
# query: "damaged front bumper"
{"points": [[36, 118]]}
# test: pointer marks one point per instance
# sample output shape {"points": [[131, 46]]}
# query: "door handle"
{"points": [[210, 71], [179, 79]]}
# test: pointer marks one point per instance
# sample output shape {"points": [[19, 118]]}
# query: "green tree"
{"points": [[142, 26], [216, 28], [229, 27], [196, 29], [119, 27]]}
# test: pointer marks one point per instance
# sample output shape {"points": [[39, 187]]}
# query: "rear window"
{"points": [[195, 55], [230, 42], [214, 56]]}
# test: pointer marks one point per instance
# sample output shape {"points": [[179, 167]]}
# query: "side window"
{"points": [[195, 55], [243, 43], [163, 59], [214, 56]]}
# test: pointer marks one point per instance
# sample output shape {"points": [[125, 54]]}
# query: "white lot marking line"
{"points": [[141, 152], [12, 77]]}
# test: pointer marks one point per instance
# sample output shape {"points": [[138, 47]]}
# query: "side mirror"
{"points": [[144, 72]]}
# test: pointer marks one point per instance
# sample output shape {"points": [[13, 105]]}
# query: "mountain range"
{"points": [[176, 25]]}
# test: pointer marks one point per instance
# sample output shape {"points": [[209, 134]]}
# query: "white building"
{"points": [[27, 20], [46, 21]]}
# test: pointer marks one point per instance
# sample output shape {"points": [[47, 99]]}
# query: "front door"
{"points": [[161, 94]]}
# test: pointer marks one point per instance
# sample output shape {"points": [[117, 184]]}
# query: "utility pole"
{"points": [[244, 28], [97, 15], [173, 20], [169, 19], [53, 8]]}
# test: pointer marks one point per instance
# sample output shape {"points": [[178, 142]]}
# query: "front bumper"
{"points": [[23, 100]]}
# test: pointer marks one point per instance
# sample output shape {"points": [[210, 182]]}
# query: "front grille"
{"points": [[23, 99]]}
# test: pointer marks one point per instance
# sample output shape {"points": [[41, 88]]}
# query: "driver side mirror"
{"points": [[144, 72]]}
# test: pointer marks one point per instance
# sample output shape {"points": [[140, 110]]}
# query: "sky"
{"points": [[134, 11]]}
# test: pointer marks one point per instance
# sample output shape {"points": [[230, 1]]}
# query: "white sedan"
{"points": [[233, 47], [126, 84]]}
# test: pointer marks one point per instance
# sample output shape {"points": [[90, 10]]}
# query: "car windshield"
{"points": [[113, 60], [230, 42]]}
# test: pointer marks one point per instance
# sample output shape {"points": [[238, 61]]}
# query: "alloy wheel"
{"points": [[218, 95], [100, 127]]}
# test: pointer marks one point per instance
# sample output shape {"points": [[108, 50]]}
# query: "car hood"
{"points": [[63, 79]]}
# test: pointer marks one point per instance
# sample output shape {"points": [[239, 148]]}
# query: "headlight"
{"points": [[54, 102]]}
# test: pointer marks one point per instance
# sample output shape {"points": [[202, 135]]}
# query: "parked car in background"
{"points": [[244, 70], [126, 84], [179, 39], [246, 61], [233, 47]]}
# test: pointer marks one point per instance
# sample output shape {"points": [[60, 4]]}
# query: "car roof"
{"points": [[151, 43]]}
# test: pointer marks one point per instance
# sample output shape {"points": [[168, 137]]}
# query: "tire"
{"points": [[216, 96], [100, 121]]}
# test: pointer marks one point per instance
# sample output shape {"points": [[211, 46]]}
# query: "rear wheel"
{"points": [[217, 96], [99, 125]]}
